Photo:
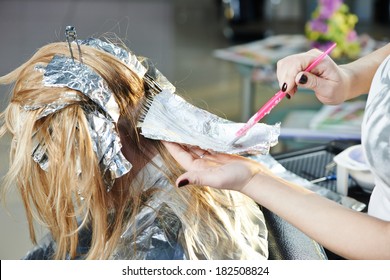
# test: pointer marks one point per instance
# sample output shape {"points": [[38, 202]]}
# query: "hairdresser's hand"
{"points": [[216, 170], [331, 83]]}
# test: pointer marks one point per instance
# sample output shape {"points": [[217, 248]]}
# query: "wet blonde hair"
{"points": [[215, 223]]}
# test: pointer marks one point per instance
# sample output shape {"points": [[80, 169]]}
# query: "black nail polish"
{"points": [[288, 96], [183, 183], [284, 87], [303, 79]]}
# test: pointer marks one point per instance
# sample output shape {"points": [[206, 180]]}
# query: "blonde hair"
{"points": [[64, 202]]}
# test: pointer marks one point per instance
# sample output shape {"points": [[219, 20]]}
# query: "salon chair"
{"points": [[286, 242]]}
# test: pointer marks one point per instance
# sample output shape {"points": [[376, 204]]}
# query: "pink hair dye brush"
{"points": [[267, 107]]}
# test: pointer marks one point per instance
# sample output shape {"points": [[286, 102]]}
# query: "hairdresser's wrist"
{"points": [[345, 88], [254, 185], [354, 84]]}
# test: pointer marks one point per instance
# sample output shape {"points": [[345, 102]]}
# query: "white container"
{"points": [[352, 162]]}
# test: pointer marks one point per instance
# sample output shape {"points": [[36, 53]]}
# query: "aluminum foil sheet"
{"points": [[57, 105], [170, 118], [138, 66], [126, 57], [63, 72], [282, 172], [155, 79], [107, 146], [39, 154]]}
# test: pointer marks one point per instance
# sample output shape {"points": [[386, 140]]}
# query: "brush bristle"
{"points": [[148, 101]]}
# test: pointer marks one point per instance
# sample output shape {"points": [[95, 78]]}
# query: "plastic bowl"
{"points": [[352, 161], [364, 179]]}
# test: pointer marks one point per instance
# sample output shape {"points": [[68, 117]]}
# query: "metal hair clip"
{"points": [[71, 35]]}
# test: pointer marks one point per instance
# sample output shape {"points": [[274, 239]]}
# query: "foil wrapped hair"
{"points": [[166, 116], [101, 114], [103, 111]]}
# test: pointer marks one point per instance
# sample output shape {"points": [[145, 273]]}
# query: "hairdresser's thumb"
{"points": [[307, 80], [182, 182], [197, 178], [188, 178]]}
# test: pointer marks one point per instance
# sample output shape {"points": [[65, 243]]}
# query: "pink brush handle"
{"points": [[321, 57], [267, 107], [277, 98]]}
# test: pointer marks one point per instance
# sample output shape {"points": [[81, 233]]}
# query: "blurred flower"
{"points": [[332, 22]]}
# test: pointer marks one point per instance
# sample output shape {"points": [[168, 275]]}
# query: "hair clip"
{"points": [[71, 35]]}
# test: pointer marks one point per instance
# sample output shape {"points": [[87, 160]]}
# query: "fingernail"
{"points": [[288, 96], [183, 183], [303, 79], [284, 87]]}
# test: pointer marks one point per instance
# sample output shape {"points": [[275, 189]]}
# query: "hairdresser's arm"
{"points": [[331, 83], [346, 232]]}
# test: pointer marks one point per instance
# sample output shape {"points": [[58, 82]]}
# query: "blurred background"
{"points": [[181, 37]]}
